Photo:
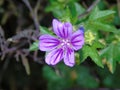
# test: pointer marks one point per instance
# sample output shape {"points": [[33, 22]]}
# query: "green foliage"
{"points": [[85, 79], [116, 20], [98, 26], [96, 14], [44, 30], [55, 82], [109, 80], [63, 77], [102, 45], [92, 52], [100, 20], [111, 55], [66, 10], [34, 46]]}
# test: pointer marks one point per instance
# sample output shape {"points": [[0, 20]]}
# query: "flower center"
{"points": [[65, 42]]}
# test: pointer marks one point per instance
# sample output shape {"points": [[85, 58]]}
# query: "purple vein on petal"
{"points": [[49, 39], [69, 57], [59, 52], [48, 42], [64, 32], [60, 34], [77, 41], [56, 56], [68, 54], [76, 36]]}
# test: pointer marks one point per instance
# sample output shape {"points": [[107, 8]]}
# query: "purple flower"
{"points": [[62, 46]]}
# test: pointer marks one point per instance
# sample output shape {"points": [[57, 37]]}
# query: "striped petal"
{"points": [[62, 30], [48, 42], [69, 57], [77, 39], [67, 30], [53, 57]]}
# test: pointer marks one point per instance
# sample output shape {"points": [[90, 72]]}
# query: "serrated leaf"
{"points": [[92, 52], [83, 54], [97, 14], [95, 57], [108, 54], [34, 46], [104, 13]]}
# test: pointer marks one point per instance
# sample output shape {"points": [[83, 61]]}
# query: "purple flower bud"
{"points": [[81, 28]]}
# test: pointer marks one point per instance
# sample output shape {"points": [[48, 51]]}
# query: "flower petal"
{"points": [[57, 27], [69, 57], [54, 57], [48, 42], [77, 39], [67, 30], [62, 30]]}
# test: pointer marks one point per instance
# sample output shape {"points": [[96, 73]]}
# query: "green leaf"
{"points": [[97, 14], [100, 20], [58, 13], [54, 6], [97, 44], [102, 26], [93, 13], [67, 15], [45, 30], [83, 53], [92, 52], [117, 52], [34, 46], [95, 56], [102, 4], [79, 8], [104, 13], [75, 10], [108, 54]]}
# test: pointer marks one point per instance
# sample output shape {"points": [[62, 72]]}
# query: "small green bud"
{"points": [[89, 37]]}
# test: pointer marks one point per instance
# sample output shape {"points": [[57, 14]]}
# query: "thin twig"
{"points": [[37, 6], [33, 13], [89, 9], [36, 14], [28, 5]]}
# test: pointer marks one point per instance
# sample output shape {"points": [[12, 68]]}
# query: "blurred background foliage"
{"points": [[32, 73]]}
